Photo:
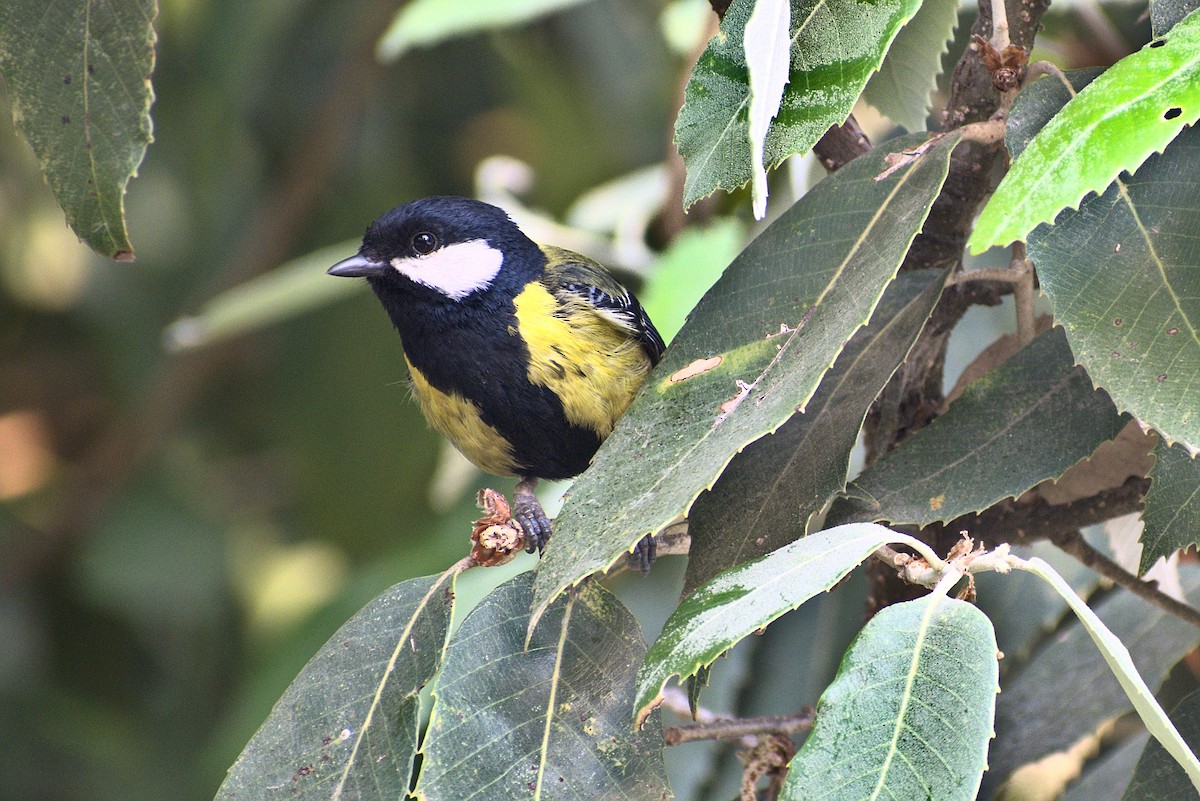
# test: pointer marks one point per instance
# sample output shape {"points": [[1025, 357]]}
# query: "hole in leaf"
{"points": [[1172, 113], [1159, 43]]}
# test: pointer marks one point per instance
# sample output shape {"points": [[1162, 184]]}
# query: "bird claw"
{"points": [[643, 555], [528, 513]]}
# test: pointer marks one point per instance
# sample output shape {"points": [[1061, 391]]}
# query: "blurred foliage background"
{"points": [[180, 531]]}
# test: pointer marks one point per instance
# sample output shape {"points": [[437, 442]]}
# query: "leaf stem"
{"points": [[1040, 68], [1022, 268], [737, 728], [984, 274], [1000, 38]]}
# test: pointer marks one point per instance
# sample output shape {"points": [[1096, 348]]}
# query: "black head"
{"points": [[453, 247]]}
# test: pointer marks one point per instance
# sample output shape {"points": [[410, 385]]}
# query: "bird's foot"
{"points": [[528, 513], [643, 555]]}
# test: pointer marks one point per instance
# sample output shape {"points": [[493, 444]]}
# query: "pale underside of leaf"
{"points": [[1119, 660], [768, 55], [835, 46], [1042, 709], [746, 598], [902, 87], [1157, 776]]}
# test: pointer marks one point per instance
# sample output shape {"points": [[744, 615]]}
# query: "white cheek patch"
{"points": [[456, 270]]}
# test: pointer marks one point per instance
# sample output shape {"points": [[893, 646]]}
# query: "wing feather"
{"points": [[570, 275]]}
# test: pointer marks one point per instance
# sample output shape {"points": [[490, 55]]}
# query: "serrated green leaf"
{"points": [[77, 76], [1164, 14], [347, 726], [1042, 710], [1172, 513], [775, 322], [910, 712], [738, 602], [768, 53], [766, 496], [835, 46], [547, 721], [1124, 276], [1026, 421], [1158, 777], [1123, 117], [908, 75], [288, 290], [421, 23]]}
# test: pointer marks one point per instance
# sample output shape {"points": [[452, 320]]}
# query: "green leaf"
{"points": [[347, 726], [766, 496], [765, 334], [1121, 663], [1042, 710], [908, 75], [421, 23], [1023, 422], [1158, 777], [1131, 111], [910, 712], [547, 721], [835, 46], [767, 50], [77, 76], [1164, 14], [287, 291], [1124, 276], [746, 598], [1172, 513]]}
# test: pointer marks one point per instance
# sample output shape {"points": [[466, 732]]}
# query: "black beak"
{"points": [[357, 267]]}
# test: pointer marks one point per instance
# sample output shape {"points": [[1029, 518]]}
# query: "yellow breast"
{"points": [[457, 419], [592, 365]]}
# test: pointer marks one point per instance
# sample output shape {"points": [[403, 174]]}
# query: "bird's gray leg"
{"points": [[643, 555], [527, 511]]}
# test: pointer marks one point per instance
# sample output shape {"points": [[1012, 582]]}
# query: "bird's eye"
{"points": [[424, 243]]}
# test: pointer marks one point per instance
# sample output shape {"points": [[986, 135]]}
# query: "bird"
{"points": [[522, 355]]}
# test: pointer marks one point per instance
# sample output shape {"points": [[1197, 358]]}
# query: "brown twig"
{"points": [[736, 728], [841, 144], [1073, 543], [1032, 519], [1023, 293], [720, 6]]}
